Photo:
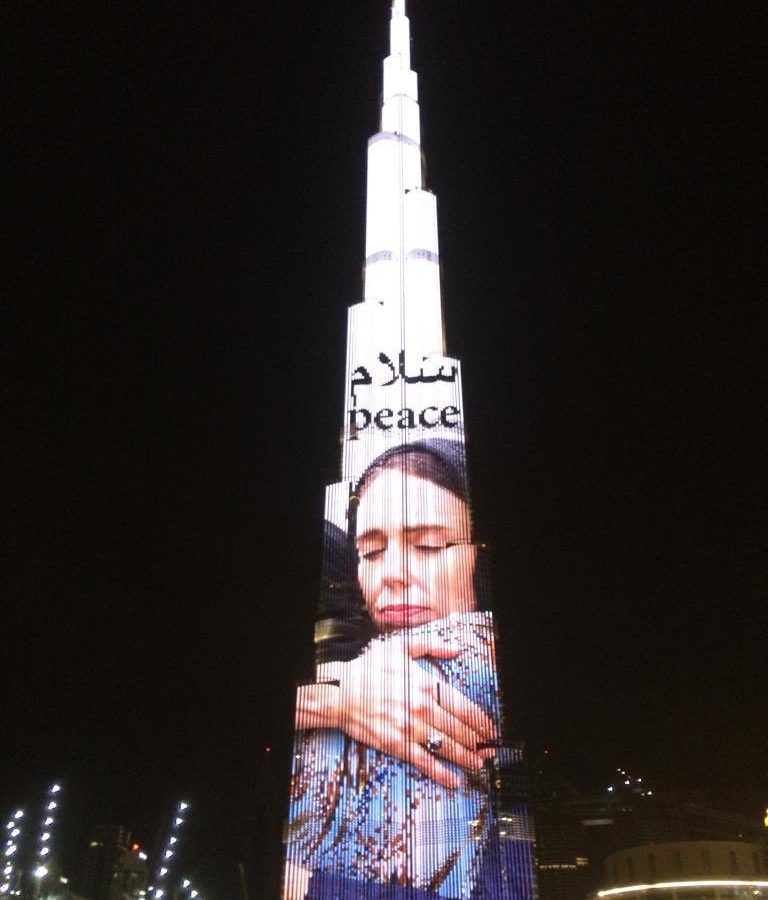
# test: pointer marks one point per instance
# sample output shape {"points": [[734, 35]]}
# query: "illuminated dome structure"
{"points": [[686, 870]]}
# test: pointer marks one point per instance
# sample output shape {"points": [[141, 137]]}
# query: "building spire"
{"points": [[400, 34]]}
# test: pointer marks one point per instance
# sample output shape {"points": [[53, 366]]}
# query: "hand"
{"points": [[296, 881], [386, 700]]}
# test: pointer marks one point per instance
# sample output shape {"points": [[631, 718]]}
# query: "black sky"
{"points": [[186, 233]]}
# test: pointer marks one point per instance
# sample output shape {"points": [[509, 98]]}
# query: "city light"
{"points": [[55, 788], [41, 872], [167, 852], [192, 893], [10, 850]]}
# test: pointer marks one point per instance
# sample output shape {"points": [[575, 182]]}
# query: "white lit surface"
{"points": [[680, 885]]}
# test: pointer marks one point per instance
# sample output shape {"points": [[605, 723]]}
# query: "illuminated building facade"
{"points": [[402, 785]]}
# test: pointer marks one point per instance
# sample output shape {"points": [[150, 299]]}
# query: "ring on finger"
{"points": [[433, 742]]}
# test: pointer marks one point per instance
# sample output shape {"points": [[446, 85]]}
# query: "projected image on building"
{"points": [[402, 783]]}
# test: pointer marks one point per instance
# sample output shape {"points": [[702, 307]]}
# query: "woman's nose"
{"points": [[396, 564]]}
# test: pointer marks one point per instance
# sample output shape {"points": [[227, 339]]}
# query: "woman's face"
{"points": [[416, 559]]}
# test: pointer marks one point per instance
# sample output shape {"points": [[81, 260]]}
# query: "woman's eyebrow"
{"points": [[422, 529], [410, 530], [370, 533]]}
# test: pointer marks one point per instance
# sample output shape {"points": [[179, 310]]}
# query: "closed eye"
{"points": [[375, 553], [429, 548]]}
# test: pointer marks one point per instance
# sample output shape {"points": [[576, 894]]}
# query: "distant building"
{"points": [[686, 870], [113, 867], [564, 855], [578, 834]]}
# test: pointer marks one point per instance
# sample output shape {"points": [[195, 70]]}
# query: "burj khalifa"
{"points": [[403, 782]]}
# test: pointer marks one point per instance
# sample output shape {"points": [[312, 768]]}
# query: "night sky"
{"points": [[186, 233]]}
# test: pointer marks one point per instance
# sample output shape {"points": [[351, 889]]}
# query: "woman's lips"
{"points": [[402, 613]]}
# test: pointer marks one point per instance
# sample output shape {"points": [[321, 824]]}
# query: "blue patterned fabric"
{"points": [[360, 816]]}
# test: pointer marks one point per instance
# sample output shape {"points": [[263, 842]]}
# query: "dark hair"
{"points": [[437, 460], [343, 627]]}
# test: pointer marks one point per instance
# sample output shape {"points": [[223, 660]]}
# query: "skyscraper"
{"points": [[402, 785], [113, 868]]}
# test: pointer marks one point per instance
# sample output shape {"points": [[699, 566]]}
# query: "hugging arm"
{"points": [[385, 699]]}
